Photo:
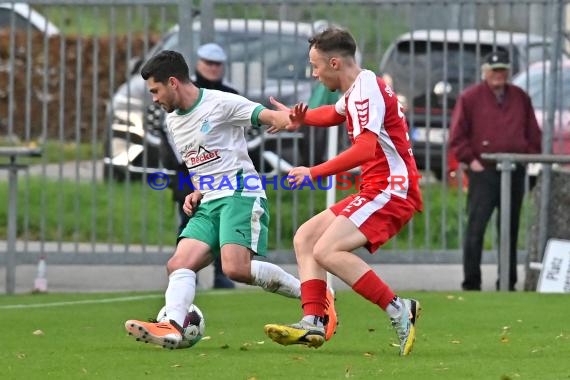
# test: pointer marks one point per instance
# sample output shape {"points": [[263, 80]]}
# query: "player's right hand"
{"points": [[191, 202]]}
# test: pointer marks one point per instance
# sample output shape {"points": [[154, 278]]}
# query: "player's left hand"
{"points": [[282, 122], [298, 175], [191, 202]]}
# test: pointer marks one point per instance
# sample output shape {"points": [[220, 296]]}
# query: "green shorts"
{"points": [[231, 220]]}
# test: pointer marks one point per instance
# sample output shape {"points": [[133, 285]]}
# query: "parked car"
{"points": [[23, 18], [264, 59], [535, 80], [430, 68]]}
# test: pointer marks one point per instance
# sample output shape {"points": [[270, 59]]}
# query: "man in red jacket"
{"points": [[491, 117]]}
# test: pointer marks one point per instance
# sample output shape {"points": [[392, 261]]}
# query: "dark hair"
{"points": [[166, 64], [334, 40]]}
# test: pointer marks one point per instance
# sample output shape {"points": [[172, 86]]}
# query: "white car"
{"points": [[265, 58], [24, 17]]}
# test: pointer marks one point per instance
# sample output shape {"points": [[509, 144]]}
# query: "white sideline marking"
{"points": [[80, 302], [109, 300]]}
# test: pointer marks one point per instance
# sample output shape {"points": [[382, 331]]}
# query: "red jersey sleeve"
{"points": [[323, 116], [361, 151]]}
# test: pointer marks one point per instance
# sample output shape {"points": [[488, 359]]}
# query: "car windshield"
{"points": [[535, 82], [278, 54], [431, 63]]}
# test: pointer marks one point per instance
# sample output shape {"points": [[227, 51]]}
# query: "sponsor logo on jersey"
{"points": [[206, 127], [202, 156]]}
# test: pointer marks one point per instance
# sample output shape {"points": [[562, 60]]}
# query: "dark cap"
{"points": [[498, 60]]}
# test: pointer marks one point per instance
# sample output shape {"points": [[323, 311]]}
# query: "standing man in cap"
{"points": [[209, 74], [491, 117], [210, 68]]}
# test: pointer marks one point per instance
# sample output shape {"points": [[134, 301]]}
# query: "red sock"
{"points": [[313, 296], [371, 287]]}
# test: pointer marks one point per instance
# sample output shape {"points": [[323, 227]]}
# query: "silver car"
{"points": [[265, 58]]}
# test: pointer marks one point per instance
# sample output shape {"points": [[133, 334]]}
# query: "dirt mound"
{"points": [[68, 81]]}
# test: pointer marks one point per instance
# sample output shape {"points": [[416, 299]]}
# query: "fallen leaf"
{"points": [[21, 355], [450, 297], [347, 372], [252, 378], [206, 337], [519, 320], [455, 342], [299, 358], [368, 354], [175, 366], [84, 370], [504, 339], [460, 298], [38, 332], [394, 345], [260, 342], [202, 355]]}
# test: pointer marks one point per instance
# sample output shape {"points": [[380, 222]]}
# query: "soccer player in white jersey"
{"points": [[229, 208], [387, 199]]}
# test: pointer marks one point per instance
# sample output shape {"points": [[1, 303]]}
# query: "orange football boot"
{"points": [[331, 320], [164, 334]]}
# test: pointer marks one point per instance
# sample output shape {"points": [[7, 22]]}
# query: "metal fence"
{"points": [[69, 84]]}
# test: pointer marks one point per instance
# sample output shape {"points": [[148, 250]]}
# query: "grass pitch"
{"points": [[460, 336]]}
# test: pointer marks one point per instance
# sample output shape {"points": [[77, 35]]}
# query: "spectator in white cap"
{"points": [[210, 68]]}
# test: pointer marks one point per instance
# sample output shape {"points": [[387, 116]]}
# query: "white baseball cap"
{"points": [[212, 52]]}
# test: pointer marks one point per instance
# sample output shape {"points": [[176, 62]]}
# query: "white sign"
{"points": [[555, 274]]}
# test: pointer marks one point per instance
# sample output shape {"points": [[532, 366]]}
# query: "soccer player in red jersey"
{"points": [[381, 148]]}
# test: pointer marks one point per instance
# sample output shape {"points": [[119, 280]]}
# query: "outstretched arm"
{"points": [[324, 116]]}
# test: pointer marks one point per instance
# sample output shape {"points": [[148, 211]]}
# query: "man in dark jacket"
{"points": [[209, 73], [491, 117]]}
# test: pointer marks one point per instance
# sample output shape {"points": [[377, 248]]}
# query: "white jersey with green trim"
{"points": [[210, 138]]}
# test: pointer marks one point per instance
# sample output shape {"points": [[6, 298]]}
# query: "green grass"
{"points": [[102, 20], [122, 213], [460, 336], [132, 213]]}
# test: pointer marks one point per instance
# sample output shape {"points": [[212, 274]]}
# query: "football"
{"points": [[194, 325]]}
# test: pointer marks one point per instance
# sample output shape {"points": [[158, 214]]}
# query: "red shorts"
{"points": [[378, 216]]}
